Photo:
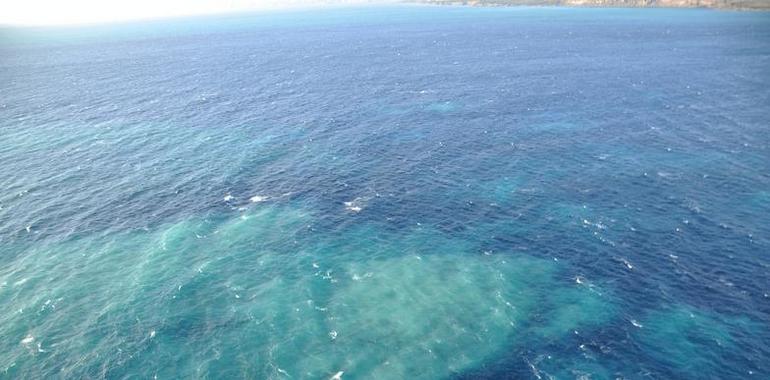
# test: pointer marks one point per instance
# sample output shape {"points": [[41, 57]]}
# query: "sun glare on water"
{"points": [[53, 12]]}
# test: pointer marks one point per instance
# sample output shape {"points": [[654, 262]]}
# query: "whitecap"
{"points": [[258, 198], [628, 264], [356, 205], [535, 370], [356, 277], [27, 340]]}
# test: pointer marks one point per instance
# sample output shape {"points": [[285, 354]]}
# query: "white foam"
{"points": [[258, 198], [228, 197], [28, 340], [535, 370], [356, 205], [337, 376], [356, 277], [328, 276]]}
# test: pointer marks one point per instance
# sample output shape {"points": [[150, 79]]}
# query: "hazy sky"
{"points": [[50, 12]]}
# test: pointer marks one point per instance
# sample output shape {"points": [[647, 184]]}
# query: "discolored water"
{"points": [[390, 193]]}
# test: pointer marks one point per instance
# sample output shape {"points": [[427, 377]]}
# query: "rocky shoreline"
{"points": [[717, 4]]}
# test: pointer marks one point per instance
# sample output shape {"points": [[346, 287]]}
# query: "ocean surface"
{"points": [[399, 192]]}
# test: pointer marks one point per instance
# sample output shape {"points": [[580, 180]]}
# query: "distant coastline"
{"points": [[715, 4]]}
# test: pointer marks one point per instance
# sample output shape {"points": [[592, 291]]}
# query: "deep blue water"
{"points": [[392, 192]]}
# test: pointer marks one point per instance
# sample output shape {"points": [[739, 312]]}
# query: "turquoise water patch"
{"points": [[573, 309], [761, 199], [441, 107], [502, 191], [261, 295], [694, 341], [132, 284], [431, 316], [435, 314]]}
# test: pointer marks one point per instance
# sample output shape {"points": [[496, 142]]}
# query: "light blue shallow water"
{"points": [[394, 192]]}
